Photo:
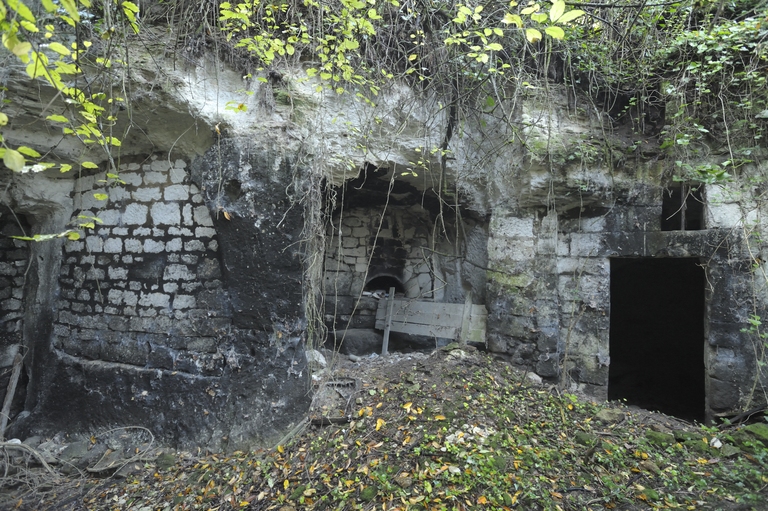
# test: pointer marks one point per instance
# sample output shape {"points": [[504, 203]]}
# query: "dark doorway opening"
{"points": [[682, 208], [657, 335]]}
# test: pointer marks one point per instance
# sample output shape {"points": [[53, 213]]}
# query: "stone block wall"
{"points": [[143, 287], [14, 260], [400, 243], [14, 264], [430, 258], [549, 289], [169, 317]]}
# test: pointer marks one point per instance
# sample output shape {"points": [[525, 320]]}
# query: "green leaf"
{"points": [[59, 48], [13, 160], [532, 35], [23, 11], [89, 165], [65, 167], [57, 118], [494, 47], [557, 10], [29, 152], [73, 236], [71, 7], [3, 119], [29, 26], [555, 32], [130, 6], [40, 237], [513, 19], [539, 17], [37, 66], [100, 196], [570, 16], [49, 6], [21, 49]]}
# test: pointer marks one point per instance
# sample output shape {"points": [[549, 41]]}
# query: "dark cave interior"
{"points": [[657, 335]]}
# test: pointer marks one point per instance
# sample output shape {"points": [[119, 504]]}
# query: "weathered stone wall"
{"points": [[549, 288], [14, 264], [184, 310], [14, 261], [143, 327], [144, 286], [403, 244]]}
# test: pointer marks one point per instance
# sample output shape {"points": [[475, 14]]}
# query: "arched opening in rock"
{"points": [[387, 228], [384, 282], [657, 335]]}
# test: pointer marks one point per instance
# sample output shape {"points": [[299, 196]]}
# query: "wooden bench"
{"points": [[463, 322]]}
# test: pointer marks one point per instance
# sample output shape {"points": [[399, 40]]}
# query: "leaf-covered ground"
{"points": [[454, 430]]}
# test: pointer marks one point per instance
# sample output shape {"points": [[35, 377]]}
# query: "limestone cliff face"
{"points": [[229, 235]]}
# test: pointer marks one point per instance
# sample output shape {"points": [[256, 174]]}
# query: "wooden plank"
{"points": [[420, 320], [477, 322], [426, 330], [388, 321], [433, 319], [430, 308], [415, 312], [465, 318], [9, 393]]}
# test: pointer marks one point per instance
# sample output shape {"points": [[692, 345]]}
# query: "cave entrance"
{"points": [[657, 335], [384, 283]]}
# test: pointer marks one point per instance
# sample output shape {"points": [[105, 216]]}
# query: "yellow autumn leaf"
{"points": [[408, 405], [285, 484], [280, 449], [379, 423], [439, 417]]}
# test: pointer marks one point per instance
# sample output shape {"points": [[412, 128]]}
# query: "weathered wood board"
{"points": [[433, 319]]}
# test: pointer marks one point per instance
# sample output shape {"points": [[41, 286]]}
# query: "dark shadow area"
{"points": [[682, 208], [657, 335], [384, 282]]}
